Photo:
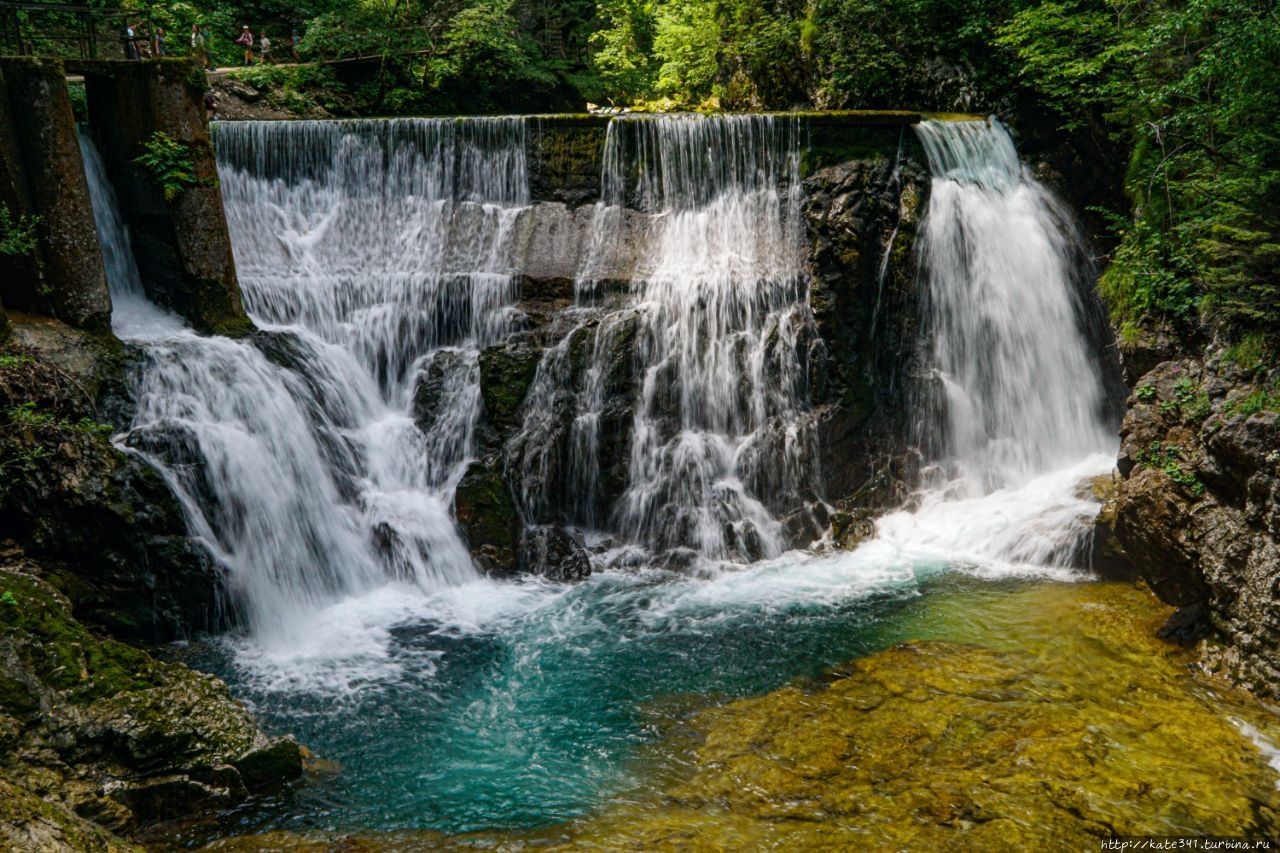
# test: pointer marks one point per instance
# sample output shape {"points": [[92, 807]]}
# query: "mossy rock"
{"points": [[109, 732], [486, 513], [506, 372]]}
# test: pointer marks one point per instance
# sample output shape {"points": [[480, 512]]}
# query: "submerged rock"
{"points": [[1068, 723]]}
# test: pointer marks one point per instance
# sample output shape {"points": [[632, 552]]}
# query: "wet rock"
{"points": [[486, 514], [108, 732], [103, 521], [430, 389], [270, 763], [552, 552], [506, 372], [1107, 557], [1198, 507], [861, 221]]}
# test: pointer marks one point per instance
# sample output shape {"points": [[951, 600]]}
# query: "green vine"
{"points": [[170, 164]]}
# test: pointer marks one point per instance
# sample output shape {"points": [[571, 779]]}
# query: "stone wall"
{"points": [[181, 244], [42, 175]]}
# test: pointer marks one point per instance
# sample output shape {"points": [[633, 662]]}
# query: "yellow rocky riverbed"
{"points": [[1046, 715]]}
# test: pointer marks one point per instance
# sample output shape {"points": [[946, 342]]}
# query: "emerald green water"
{"points": [[508, 710], [537, 709]]}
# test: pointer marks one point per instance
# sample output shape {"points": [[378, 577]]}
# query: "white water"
{"points": [[721, 433], [1019, 422], [365, 251], [371, 250]]}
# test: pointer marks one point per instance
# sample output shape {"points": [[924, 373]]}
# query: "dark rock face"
{"points": [[862, 218], [109, 737], [101, 520], [181, 245], [553, 553], [1199, 509]]}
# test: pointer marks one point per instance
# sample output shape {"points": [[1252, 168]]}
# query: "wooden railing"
{"points": [[32, 27]]}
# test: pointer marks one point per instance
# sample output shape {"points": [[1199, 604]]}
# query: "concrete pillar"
{"points": [[181, 245], [42, 174]]}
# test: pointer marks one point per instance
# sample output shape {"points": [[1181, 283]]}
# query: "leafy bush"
{"points": [[17, 234], [1168, 458], [169, 163]]}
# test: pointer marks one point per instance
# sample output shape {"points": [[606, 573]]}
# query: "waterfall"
{"points": [[1018, 415], [719, 437], [372, 255]]}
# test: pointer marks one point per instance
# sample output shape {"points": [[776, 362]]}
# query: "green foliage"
{"points": [[1189, 402], [169, 163], [1146, 393], [17, 234], [8, 599], [1259, 400], [1251, 353], [622, 50], [1189, 86], [1168, 458], [25, 414], [15, 360]]}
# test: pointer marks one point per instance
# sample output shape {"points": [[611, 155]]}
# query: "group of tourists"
{"points": [[141, 45], [265, 54]]}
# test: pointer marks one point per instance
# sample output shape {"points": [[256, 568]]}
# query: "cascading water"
{"points": [[370, 253], [1020, 420], [670, 409], [720, 437]]}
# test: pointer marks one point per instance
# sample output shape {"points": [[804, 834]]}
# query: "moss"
{"points": [[506, 372], [1054, 717], [63, 654], [30, 822]]}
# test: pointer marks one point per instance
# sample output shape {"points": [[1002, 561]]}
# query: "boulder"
{"points": [[486, 514], [552, 552]]}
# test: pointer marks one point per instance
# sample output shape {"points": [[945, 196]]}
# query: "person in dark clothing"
{"points": [[130, 39]]}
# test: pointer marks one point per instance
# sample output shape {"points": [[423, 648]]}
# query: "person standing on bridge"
{"points": [[264, 46], [157, 42], [246, 41], [130, 39], [199, 50], [295, 41]]}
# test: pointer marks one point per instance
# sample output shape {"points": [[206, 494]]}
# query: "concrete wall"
{"points": [[181, 245], [565, 150], [42, 174]]}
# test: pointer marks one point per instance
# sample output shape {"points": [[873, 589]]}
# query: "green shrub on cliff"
{"points": [[169, 163], [17, 234], [1189, 86]]}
